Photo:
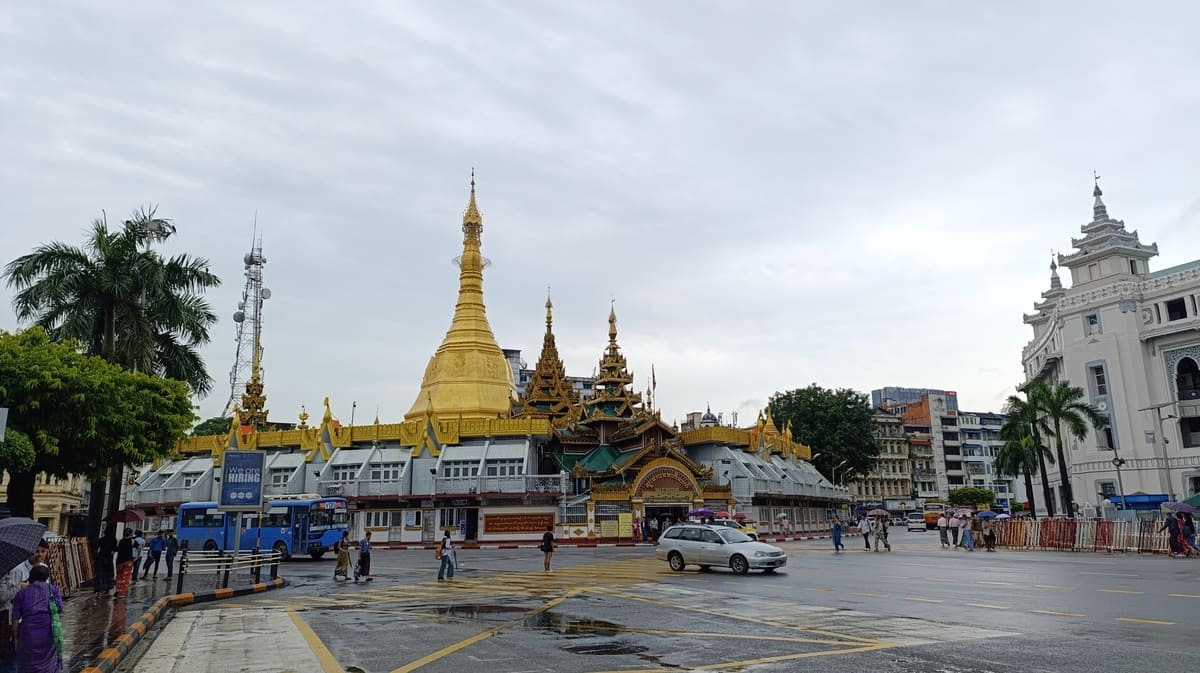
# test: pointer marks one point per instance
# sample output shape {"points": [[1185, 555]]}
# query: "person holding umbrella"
{"points": [[124, 564], [21, 550]]}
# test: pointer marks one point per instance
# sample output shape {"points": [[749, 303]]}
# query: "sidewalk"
{"points": [[247, 640], [93, 621]]}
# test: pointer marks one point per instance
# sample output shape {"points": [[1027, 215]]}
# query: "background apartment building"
{"points": [[891, 482]]}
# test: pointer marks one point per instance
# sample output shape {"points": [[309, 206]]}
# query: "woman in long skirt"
{"points": [[124, 563], [343, 557], [105, 575], [37, 648]]}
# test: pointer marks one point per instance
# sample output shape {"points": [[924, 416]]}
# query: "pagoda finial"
{"points": [[472, 220], [612, 322], [1055, 281], [549, 310], [1099, 212]]}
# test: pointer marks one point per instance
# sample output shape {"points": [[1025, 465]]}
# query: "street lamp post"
{"points": [[1165, 467], [1117, 462], [835, 469]]}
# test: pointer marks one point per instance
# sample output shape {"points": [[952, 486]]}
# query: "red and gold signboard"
{"points": [[517, 523]]}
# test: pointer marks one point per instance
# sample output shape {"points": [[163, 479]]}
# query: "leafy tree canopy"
{"points": [[83, 414], [971, 496], [16, 452], [837, 424], [217, 425]]}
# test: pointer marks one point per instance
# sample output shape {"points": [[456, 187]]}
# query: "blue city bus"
{"points": [[302, 525]]}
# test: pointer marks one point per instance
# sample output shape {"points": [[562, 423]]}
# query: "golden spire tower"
{"points": [[254, 401], [468, 376], [548, 395], [612, 397]]}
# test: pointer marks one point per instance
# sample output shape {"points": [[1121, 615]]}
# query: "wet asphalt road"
{"points": [[915, 609]]}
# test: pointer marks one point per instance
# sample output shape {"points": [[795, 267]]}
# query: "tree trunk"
{"points": [[96, 507], [20, 493], [1064, 473], [116, 480], [1045, 482], [1029, 491]]}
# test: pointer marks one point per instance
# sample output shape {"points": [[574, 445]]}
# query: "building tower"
{"points": [[245, 378], [548, 393], [468, 376]]}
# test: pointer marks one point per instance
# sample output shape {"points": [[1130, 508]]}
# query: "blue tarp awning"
{"points": [[1140, 500]]}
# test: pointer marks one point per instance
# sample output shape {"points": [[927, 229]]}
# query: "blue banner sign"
{"points": [[242, 480]]}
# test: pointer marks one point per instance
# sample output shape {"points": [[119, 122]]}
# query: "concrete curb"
{"points": [[111, 657]]}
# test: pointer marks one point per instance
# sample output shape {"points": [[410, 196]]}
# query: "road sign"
{"points": [[242, 480]]}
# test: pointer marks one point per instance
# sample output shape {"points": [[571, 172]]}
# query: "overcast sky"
{"points": [[852, 194]]}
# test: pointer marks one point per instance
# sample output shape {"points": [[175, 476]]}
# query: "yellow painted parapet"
{"points": [[716, 435]]}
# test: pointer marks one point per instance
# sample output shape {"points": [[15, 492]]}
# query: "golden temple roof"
{"points": [[468, 377], [612, 397]]}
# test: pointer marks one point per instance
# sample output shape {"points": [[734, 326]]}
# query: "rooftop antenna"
{"points": [[245, 377]]}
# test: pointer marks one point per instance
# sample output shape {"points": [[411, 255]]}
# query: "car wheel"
{"points": [[739, 565], [675, 560], [210, 545], [281, 549]]}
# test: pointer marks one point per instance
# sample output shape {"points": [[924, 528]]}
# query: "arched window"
{"points": [[1187, 379]]}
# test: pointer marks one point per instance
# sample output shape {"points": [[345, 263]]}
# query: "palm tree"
{"points": [[124, 302], [1064, 410], [1018, 458], [1025, 419]]}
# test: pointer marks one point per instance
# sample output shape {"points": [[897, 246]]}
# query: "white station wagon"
{"points": [[708, 546]]}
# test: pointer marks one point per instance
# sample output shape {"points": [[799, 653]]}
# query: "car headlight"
{"points": [[760, 554]]}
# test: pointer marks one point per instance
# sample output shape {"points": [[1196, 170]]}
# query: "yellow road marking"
{"points": [[765, 660], [817, 589], [1121, 591], [995, 584], [1184, 595], [868, 594], [987, 605], [1059, 614], [1052, 586], [328, 663], [922, 600], [1145, 621]]}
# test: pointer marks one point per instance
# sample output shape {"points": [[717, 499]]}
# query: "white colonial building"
{"points": [[1130, 338]]}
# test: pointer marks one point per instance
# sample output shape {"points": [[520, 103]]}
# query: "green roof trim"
{"points": [[1175, 269]]}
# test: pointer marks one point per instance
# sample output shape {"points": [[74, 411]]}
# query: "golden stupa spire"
{"points": [[548, 394], [254, 401], [468, 377], [612, 397]]}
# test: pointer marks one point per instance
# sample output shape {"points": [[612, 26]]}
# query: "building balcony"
{"points": [[927, 493]]}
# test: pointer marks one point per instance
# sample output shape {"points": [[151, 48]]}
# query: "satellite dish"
{"points": [[238, 316], [266, 293], [246, 259]]}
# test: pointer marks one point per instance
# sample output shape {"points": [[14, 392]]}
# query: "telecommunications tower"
{"points": [[245, 379]]}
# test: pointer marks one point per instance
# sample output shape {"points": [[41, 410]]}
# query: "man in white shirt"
{"points": [[864, 527], [139, 545], [944, 530], [953, 523]]}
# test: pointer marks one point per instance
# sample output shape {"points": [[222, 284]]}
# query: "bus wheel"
{"points": [[316, 555], [210, 545], [281, 549]]}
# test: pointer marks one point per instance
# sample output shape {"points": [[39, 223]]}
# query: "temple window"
{"points": [[1187, 379], [345, 472], [1176, 309]]}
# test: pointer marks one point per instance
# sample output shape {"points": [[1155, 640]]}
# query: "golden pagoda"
{"points": [[548, 394], [468, 377], [613, 398]]}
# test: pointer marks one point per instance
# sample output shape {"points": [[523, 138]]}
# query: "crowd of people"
{"points": [[117, 563]]}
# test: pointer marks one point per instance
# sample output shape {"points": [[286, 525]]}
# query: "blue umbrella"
{"points": [[19, 538], [986, 515]]}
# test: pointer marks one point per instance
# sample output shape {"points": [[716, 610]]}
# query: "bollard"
{"points": [[183, 564], [276, 556], [256, 565], [224, 564]]}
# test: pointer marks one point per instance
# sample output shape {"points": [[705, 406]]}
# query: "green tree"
{"points": [[80, 413], [1025, 419], [1018, 458], [124, 302], [971, 496], [1064, 410], [217, 425], [16, 452], [837, 424]]}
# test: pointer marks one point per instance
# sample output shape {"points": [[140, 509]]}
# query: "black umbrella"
{"points": [[19, 538]]}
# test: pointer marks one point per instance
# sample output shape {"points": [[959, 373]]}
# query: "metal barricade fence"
{"points": [[204, 570], [1140, 536], [70, 562]]}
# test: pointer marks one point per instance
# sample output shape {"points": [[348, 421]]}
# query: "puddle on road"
{"points": [[571, 626], [608, 648]]}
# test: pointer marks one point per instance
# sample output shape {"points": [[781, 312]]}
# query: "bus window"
{"points": [[327, 517], [277, 517], [199, 518]]}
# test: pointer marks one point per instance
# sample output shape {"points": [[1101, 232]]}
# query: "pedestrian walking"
{"points": [[172, 552], [637, 530], [1189, 532], [363, 569], [343, 558], [139, 546], [967, 535], [547, 547], [837, 535], [943, 526], [124, 564], [157, 544], [654, 530], [445, 553], [955, 524], [989, 536], [864, 527], [10, 586], [105, 572], [37, 626], [880, 529]]}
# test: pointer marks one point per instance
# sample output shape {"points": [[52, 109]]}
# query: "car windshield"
{"points": [[732, 536]]}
